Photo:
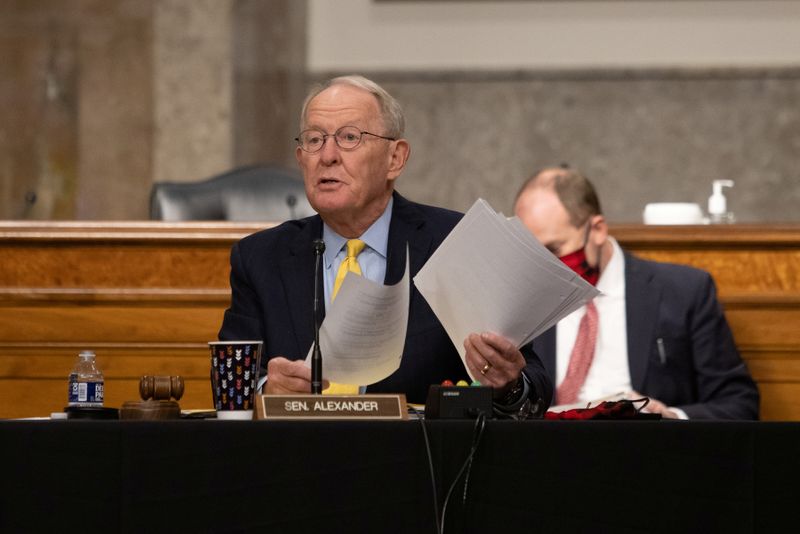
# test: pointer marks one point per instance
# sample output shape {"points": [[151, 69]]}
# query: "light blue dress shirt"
{"points": [[372, 259]]}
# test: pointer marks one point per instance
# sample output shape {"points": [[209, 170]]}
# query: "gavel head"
{"points": [[161, 387]]}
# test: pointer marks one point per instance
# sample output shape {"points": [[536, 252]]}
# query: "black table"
{"points": [[536, 476]]}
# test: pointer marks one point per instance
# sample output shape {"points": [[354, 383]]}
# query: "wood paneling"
{"points": [[757, 271], [133, 322], [148, 296]]}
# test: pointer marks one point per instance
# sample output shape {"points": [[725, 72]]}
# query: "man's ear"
{"points": [[599, 234], [398, 158]]}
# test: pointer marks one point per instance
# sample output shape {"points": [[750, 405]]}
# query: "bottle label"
{"points": [[86, 393]]}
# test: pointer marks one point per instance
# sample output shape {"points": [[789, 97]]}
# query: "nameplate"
{"points": [[318, 407]]}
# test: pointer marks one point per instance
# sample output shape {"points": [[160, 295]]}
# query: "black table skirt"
{"points": [[261, 476]]}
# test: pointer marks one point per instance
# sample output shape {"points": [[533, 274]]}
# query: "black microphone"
{"points": [[316, 356]]}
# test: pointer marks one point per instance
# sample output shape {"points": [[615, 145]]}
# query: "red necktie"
{"points": [[581, 358]]}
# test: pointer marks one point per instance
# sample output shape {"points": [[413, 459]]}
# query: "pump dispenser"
{"points": [[717, 203]]}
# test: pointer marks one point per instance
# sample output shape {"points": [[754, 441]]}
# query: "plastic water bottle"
{"points": [[86, 383]]}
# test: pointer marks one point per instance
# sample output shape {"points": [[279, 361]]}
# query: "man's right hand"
{"points": [[655, 406], [287, 377]]}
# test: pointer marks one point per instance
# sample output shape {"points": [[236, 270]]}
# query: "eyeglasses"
{"points": [[346, 137]]}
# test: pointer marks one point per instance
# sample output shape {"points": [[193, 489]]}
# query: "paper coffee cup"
{"points": [[234, 375]]}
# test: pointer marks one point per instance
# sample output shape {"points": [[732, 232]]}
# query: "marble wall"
{"points": [[74, 96], [269, 74], [192, 89], [641, 136], [99, 99], [114, 109]]}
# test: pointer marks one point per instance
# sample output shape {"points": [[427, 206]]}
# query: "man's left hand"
{"points": [[494, 360]]}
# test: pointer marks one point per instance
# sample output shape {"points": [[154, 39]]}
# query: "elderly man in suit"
{"points": [[351, 151], [656, 330]]}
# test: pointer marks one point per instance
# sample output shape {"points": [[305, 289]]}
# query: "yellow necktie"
{"points": [[349, 265]]}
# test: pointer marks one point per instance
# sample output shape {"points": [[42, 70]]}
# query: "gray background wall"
{"points": [[652, 99], [641, 137]]}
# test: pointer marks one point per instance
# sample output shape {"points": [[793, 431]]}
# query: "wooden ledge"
{"points": [[707, 236]]}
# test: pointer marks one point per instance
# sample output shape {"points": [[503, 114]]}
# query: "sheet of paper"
{"points": [[491, 274], [364, 332]]}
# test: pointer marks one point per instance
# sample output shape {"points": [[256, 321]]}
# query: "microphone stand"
{"points": [[316, 356]]}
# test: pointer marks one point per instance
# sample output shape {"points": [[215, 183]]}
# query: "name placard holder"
{"points": [[331, 407]]}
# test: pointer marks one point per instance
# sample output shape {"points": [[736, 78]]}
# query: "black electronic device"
{"points": [[458, 402], [91, 412]]}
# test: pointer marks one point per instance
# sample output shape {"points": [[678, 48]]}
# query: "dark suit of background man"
{"points": [[662, 332], [351, 150]]}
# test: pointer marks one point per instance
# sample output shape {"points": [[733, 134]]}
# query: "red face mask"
{"points": [[577, 262]]}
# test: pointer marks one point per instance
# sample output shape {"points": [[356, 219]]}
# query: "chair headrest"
{"points": [[255, 193]]}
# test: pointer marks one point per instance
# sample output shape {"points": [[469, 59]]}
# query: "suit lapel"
{"points": [[405, 227], [642, 298], [297, 275]]}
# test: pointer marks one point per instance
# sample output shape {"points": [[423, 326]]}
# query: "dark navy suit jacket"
{"points": [[701, 371], [272, 286]]}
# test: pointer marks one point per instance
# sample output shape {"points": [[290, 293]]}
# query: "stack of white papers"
{"points": [[492, 274]]}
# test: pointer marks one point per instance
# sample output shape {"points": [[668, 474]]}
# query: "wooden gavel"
{"points": [[161, 387]]}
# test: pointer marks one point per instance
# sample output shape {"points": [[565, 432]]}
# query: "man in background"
{"points": [[656, 329], [351, 151]]}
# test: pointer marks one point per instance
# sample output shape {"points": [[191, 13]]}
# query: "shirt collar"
{"points": [[612, 279], [376, 237]]}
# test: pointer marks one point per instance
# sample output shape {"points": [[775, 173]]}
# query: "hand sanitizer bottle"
{"points": [[717, 204]]}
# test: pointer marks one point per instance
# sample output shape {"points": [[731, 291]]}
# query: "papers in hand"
{"points": [[364, 332], [492, 274]]}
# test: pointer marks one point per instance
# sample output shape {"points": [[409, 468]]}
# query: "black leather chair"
{"points": [[255, 193]]}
